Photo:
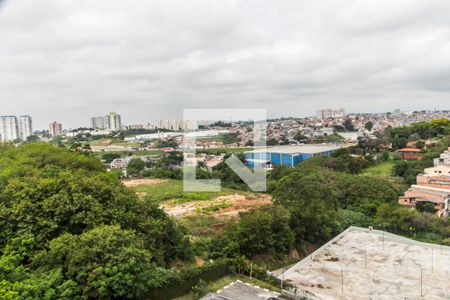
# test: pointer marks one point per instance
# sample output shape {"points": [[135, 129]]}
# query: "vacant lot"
{"points": [[225, 205], [203, 213], [173, 190]]}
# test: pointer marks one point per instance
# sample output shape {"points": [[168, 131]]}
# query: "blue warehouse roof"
{"points": [[295, 149]]}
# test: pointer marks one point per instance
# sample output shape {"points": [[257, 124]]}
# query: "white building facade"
{"points": [[177, 125], [112, 121], [9, 128], [25, 127], [55, 129]]}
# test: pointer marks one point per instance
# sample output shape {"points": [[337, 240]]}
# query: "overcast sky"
{"points": [[67, 60]]}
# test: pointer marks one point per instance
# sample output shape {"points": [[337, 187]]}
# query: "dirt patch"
{"points": [[179, 210], [106, 142], [236, 203], [144, 181], [199, 262], [242, 203]]}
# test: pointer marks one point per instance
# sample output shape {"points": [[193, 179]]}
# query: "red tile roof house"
{"points": [[410, 154]]}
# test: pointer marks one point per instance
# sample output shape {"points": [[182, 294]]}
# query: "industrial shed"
{"points": [[287, 155]]}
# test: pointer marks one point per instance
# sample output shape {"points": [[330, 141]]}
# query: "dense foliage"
{"points": [[324, 196], [262, 230], [409, 170], [70, 230], [421, 130]]}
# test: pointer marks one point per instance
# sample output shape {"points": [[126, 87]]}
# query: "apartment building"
{"points": [[9, 128], [329, 113], [25, 127], [177, 125], [55, 129], [112, 121], [14, 128]]}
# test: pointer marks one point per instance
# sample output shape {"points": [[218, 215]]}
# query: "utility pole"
{"points": [[342, 280], [421, 282], [432, 261], [365, 255]]}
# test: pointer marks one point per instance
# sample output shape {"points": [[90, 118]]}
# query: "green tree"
{"points": [[265, 230], [299, 137], [58, 208], [348, 125], [32, 138], [312, 203], [369, 125], [262, 230], [272, 142], [107, 261], [135, 166], [110, 156]]}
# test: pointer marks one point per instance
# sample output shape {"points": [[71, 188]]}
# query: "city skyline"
{"points": [[149, 60], [86, 121]]}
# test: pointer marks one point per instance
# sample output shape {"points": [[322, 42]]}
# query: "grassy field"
{"points": [[173, 190], [383, 169]]}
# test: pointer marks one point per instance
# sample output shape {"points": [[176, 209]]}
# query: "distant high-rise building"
{"points": [[177, 125], [25, 127], [99, 123], [325, 113], [111, 121], [339, 113], [115, 121], [55, 129], [329, 113], [9, 128]]}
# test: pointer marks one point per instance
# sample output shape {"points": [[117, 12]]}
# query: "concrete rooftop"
{"points": [[241, 291], [358, 264]]}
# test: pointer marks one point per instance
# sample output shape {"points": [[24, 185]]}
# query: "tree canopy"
{"points": [[72, 230]]}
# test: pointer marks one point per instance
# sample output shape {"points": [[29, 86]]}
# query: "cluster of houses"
{"points": [[433, 187]]}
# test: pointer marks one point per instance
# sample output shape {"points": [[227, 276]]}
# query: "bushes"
{"points": [[71, 230], [423, 130], [135, 166], [409, 170], [412, 223], [312, 204], [261, 230], [107, 262], [181, 283]]}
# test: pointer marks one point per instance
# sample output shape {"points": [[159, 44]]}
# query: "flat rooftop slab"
{"points": [[359, 264], [242, 291]]}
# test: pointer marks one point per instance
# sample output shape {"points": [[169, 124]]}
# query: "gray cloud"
{"points": [[67, 60]]}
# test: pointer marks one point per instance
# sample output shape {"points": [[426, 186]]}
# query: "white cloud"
{"points": [[147, 59]]}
